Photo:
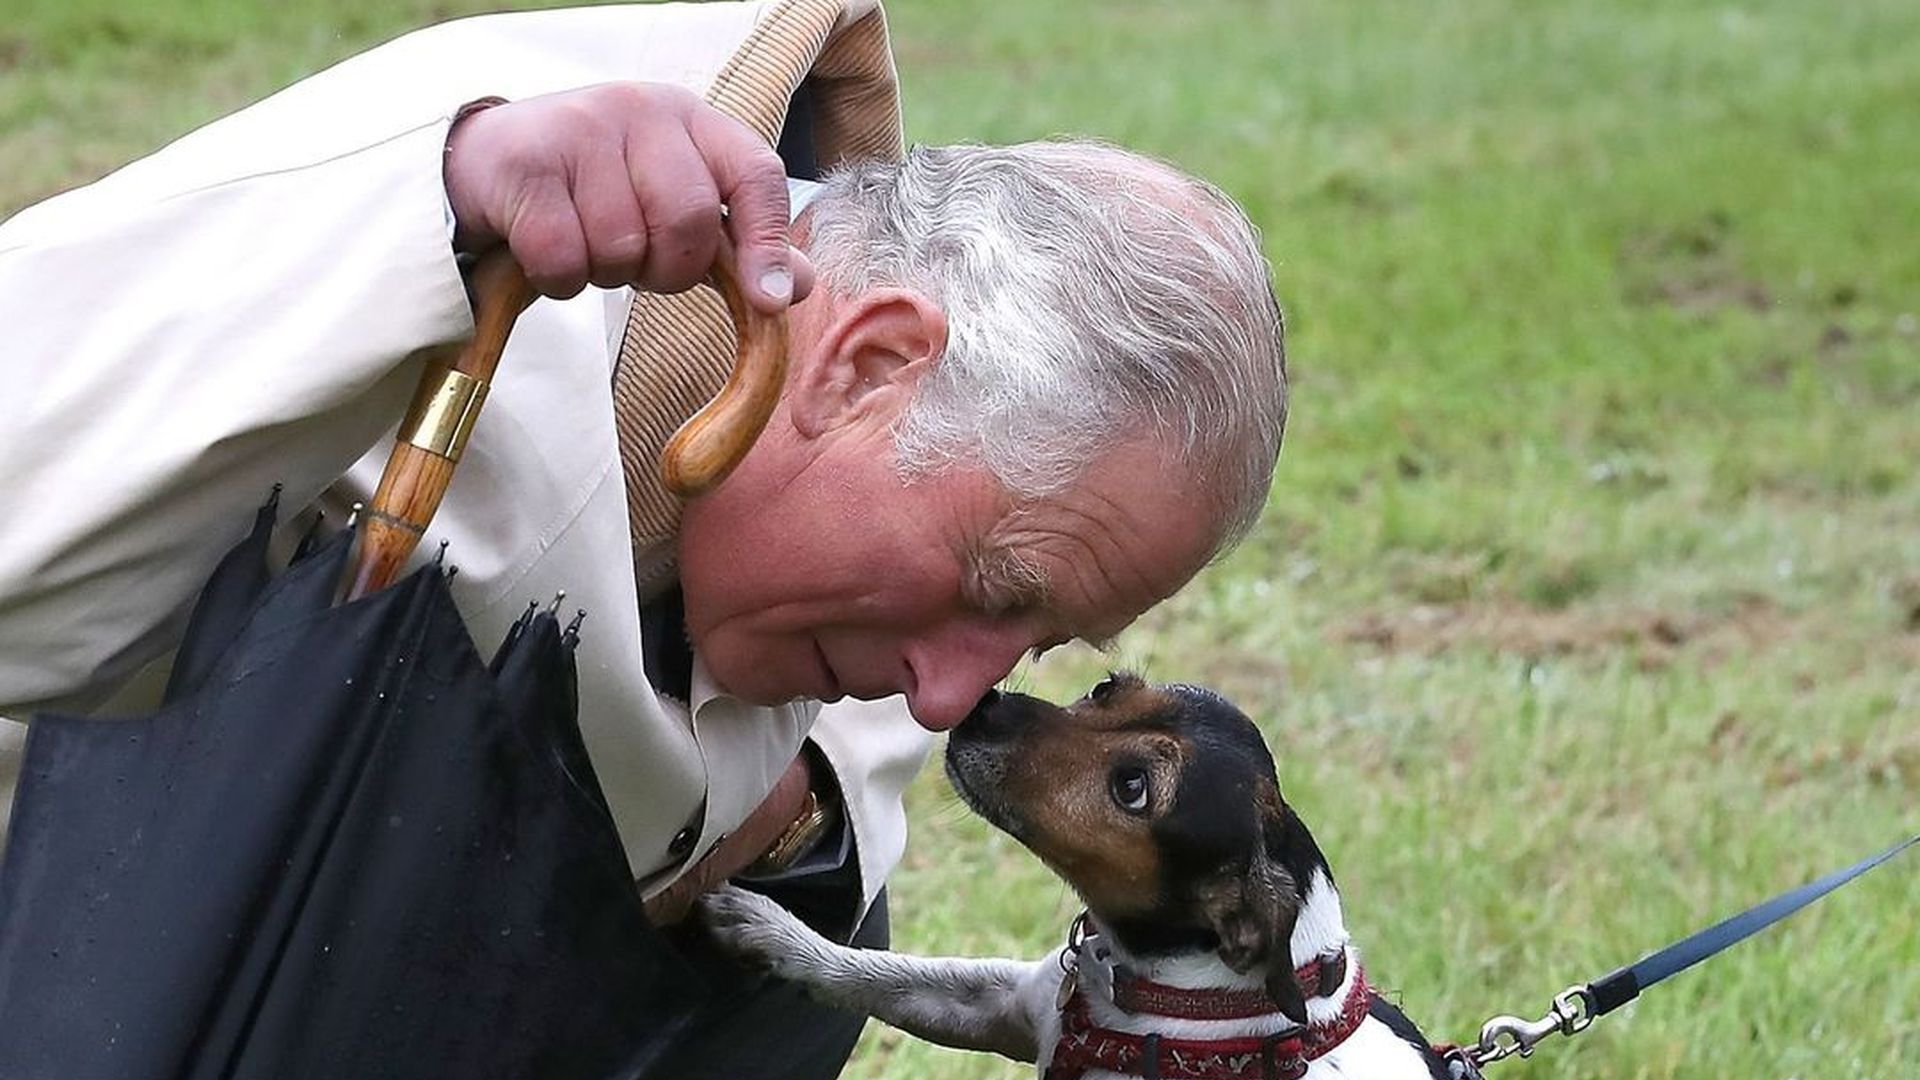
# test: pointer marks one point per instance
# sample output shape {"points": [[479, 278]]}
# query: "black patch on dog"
{"points": [[1292, 846], [1389, 1014], [1226, 836], [1222, 782]]}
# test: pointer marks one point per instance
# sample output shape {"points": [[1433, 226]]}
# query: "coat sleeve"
{"points": [[171, 354], [240, 309]]}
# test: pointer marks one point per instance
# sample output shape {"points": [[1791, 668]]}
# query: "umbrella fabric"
{"points": [[345, 847]]}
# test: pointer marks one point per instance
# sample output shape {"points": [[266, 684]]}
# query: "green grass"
{"points": [[1587, 608]]}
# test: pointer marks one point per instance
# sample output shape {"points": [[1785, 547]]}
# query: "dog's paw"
{"points": [[757, 931]]}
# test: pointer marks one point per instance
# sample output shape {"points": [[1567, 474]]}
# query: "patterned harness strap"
{"points": [[1284, 1056], [1318, 977]]}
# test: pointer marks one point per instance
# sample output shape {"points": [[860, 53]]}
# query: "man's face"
{"points": [[842, 580]]}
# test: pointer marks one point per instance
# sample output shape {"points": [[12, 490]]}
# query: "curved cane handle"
{"points": [[715, 439], [436, 428]]}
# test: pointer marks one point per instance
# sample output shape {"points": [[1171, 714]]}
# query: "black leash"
{"points": [[1579, 1006]]}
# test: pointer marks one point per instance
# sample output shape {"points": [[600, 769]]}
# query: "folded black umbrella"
{"points": [[345, 847]]}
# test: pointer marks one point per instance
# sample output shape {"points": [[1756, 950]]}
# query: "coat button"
{"points": [[682, 843]]}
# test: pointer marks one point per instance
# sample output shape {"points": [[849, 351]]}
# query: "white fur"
{"points": [[1004, 1006], [1010, 1007], [1321, 927]]}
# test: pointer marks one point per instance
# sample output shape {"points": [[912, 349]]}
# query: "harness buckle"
{"points": [[1460, 1063], [1273, 1066]]}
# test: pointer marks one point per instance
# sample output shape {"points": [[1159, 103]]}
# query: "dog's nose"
{"points": [[987, 719], [986, 703], [997, 717]]}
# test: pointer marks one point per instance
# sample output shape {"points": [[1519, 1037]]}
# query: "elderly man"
{"points": [[1033, 390]]}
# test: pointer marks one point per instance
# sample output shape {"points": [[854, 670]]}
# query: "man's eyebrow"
{"points": [[1013, 581], [1008, 580]]}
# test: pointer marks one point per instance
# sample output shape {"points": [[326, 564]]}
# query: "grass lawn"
{"points": [[1587, 607]]}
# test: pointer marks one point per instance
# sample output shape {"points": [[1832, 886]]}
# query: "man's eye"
{"points": [[999, 602], [1041, 650], [1130, 789]]}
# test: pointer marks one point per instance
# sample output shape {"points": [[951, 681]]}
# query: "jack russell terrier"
{"points": [[1212, 946]]}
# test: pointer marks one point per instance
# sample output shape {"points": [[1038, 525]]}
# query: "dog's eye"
{"points": [[1129, 788], [1104, 689]]}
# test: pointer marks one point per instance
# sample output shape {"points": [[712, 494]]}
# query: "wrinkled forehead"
{"points": [[1104, 550]]}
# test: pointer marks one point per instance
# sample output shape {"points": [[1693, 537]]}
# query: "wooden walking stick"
{"points": [[713, 440], [444, 408]]}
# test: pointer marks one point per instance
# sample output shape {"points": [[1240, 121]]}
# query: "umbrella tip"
{"points": [[440, 558], [354, 517], [525, 620], [571, 636], [557, 597]]}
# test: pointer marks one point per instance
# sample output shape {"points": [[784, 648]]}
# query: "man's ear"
{"points": [[1253, 916], [867, 359]]}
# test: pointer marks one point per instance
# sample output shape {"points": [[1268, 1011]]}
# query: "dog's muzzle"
{"points": [[978, 750]]}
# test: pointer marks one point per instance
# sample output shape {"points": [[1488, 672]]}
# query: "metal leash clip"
{"points": [[1505, 1036], [1576, 1007]]}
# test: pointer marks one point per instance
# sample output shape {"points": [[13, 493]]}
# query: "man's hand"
{"points": [[738, 849], [623, 184]]}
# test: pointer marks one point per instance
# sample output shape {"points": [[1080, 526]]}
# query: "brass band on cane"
{"points": [[443, 411]]}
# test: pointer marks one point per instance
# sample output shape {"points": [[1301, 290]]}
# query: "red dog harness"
{"points": [[1283, 1056]]}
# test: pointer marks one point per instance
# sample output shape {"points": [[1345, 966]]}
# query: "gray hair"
{"points": [[1092, 296]]}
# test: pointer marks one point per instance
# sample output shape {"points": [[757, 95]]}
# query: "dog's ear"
{"points": [[1284, 990], [1253, 915]]}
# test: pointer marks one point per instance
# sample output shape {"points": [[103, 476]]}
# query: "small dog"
{"points": [[1212, 946]]}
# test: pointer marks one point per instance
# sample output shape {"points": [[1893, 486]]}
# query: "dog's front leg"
{"points": [[993, 1005]]}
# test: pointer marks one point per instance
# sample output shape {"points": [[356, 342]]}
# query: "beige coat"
{"points": [[247, 307]]}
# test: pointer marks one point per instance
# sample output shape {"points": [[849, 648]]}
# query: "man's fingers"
{"points": [[545, 234], [612, 219], [624, 184], [753, 184], [802, 268], [682, 210]]}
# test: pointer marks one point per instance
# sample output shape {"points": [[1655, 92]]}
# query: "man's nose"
{"points": [[953, 670]]}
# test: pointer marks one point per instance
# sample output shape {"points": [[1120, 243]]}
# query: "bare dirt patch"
{"points": [[1705, 291], [1691, 267], [1906, 594], [14, 52], [1890, 763], [1653, 637]]}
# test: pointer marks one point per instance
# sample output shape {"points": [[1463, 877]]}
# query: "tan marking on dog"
{"points": [[1058, 777], [1266, 799]]}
